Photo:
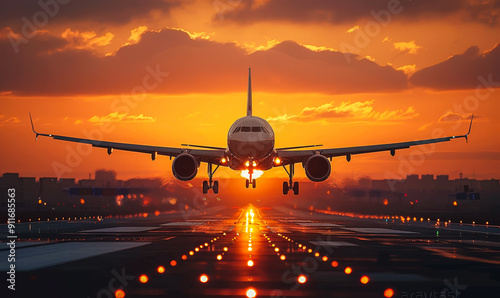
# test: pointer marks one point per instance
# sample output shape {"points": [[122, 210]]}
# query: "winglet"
{"points": [[249, 100], [33, 127], [470, 127]]}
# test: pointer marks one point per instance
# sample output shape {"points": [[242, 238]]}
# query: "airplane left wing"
{"points": [[213, 156], [295, 156]]}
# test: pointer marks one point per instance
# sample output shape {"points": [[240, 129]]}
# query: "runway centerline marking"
{"points": [[379, 231]]}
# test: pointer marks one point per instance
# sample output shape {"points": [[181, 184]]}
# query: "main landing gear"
{"points": [[287, 186], [210, 184], [250, 180]]}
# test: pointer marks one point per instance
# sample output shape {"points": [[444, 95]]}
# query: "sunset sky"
{"points": [[337, 73]]}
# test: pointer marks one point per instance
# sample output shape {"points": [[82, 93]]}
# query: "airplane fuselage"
{"points": [[250, 144]]}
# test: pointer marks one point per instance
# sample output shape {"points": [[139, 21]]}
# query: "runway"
{"points": [[254, 252]]}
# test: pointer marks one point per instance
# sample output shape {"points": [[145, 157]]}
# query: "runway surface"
{"points": [[254, 252]]}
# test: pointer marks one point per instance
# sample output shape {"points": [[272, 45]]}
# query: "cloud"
{"points": [[409, 47], [85, 40], [121, 117], [11, 120], [340, 12], [135, 35], [463, 71], [63, 66], [454, 117], [357, 110], [407, 69], [99, 12], [351, 30]]}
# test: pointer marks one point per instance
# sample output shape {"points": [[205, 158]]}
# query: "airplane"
{"points": [[251, 149]]}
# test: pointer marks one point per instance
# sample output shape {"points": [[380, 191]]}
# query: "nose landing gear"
{"points": [[250, 180]]}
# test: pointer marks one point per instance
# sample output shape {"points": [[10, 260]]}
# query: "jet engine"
{"points": [[317, 168], [184, 167]]}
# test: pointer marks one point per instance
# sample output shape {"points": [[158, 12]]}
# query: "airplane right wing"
{"points": [[296, 156]]}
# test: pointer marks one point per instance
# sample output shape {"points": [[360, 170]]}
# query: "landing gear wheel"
{"points": [[295, 188], [247, 183], [205, 187], [254, 183], [285, 188], [216, 187]]}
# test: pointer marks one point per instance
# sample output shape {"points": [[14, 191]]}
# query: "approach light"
{"points": [[282, 257], [119, 293], [302, 279], [250, 263], [225, 248], [325, 258], [388, 293], [251, 293], [160, 269], [335, 264], [143, 278], [364, 279], [219, 257], [173, 263], [203, 278], [348, 270]]}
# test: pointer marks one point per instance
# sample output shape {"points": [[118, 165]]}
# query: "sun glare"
{"points": [[256, 174]]}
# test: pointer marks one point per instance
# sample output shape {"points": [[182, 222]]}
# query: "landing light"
{"points": [[254, 164], [247, 164], [277, 161], [223, 160]]}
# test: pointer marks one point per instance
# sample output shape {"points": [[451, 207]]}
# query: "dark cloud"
{"points": [[463, 71], [348, 11], [89, 11], [42, 68]]}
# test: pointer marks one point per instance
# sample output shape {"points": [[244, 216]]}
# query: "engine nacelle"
{"points": [[184, 167], [317, 168]]}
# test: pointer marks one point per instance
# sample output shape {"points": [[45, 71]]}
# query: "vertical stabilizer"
{"points": [[249, 102]]}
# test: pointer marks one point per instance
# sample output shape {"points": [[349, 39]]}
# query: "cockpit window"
{"points": [[237, 129], [245, 129], [256, 129], [264, 130]]}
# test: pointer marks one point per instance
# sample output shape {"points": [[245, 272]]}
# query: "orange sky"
{"points": [[413, 72]]}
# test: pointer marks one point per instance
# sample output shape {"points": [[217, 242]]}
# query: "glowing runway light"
{"points": [[388, 293], [302, 279], [325, 258], [282, 257], [225, 248], [120, 293], [251, 293], [249, 248], [191, 253], [276, 249], [219, 257], [184, 257], [335, 264], [197, 249], [250, 263], [143, 278], [364, 279], [160, 269], [173, 263], [348, 270], [203, 278], [316, 254]]}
